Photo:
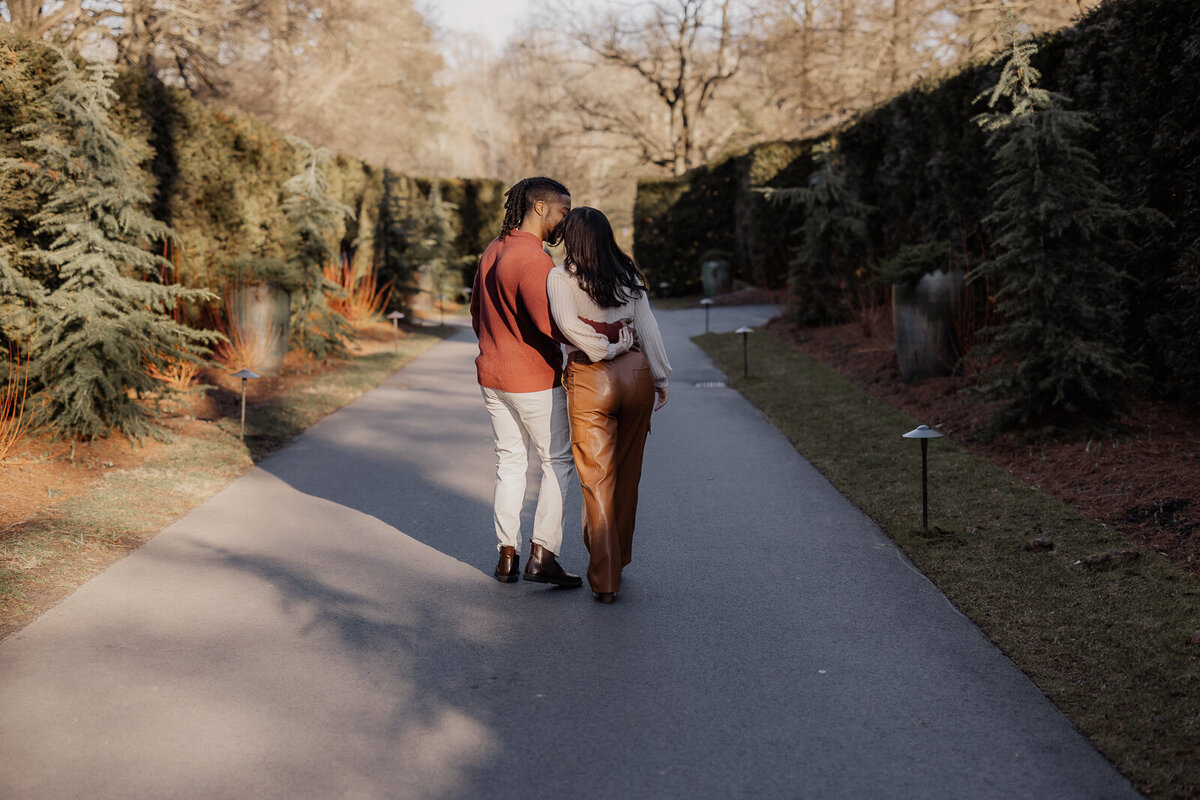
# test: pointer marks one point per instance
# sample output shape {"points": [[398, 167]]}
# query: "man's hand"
{"points": [[662, 397], [620, 333], [610, 330]]}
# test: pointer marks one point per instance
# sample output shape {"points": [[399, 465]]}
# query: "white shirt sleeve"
{"points": [[560, 289], [651, 340]]}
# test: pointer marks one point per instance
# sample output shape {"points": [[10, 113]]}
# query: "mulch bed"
{"points": [[1141, 477]]}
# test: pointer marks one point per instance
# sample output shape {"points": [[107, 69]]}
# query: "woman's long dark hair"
{"points": [[609, 275]]}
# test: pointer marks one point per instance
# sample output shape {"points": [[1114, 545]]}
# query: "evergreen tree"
{"points": [[434, 233], [390, 242], [314, 216], [102, 323], [1178, 322], [22, 100], [1061, 309], [18, 294], [20, 299], [423, 228], [834, 240], [413, 233]]}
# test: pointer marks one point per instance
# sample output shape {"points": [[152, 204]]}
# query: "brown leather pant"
{"points": [[610, 403]]}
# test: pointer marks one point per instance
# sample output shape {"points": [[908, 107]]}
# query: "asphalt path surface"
{"points": [[327, 627]]}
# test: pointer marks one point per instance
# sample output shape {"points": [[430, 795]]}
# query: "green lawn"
{"points": [[1108, 644]]}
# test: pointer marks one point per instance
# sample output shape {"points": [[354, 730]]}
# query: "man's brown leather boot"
{"points": [[508, 569], [543, 567]]}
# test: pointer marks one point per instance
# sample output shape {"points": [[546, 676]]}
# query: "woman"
{"points": [[609, 401]]}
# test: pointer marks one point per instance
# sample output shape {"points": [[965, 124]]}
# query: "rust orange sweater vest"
{"points": [[511, 317]]}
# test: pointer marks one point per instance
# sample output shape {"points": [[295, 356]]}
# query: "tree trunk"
{"points": [[901, 44], [679, 165], [136, 47], [281, 38], [807, 39], [852, 81], [28, 17]]}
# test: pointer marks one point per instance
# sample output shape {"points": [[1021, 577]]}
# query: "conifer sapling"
{"points": [[314, 216], [1061, 306], [833, 239], [102, 322]]}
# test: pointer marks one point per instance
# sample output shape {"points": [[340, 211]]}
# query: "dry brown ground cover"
{"points": [[69, 510], [1141, 476]]}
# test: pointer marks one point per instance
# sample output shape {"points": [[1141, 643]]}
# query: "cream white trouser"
{"points": [[521, 420]]}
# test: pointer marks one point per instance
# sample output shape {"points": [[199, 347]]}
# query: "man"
{"points": [[519, 368]]}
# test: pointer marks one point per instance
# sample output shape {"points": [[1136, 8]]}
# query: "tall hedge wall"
{"points": [[1134, 65], [716, 208], [219, 177], [677, 222]]}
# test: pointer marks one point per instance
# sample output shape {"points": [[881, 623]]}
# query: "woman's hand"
{"points": [[626, 341], [661, 391], [628, 323]]}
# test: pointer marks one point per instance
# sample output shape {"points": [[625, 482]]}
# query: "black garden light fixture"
{"points": [[245, 375], [745, 331], [924, 433], [707, 303]]}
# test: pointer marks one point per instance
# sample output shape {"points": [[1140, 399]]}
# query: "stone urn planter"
{"points": [[716, 274], [425, 296], [923, 324], [259, 325]]}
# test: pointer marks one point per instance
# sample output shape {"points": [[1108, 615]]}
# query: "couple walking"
{"points": [[592, 416]]}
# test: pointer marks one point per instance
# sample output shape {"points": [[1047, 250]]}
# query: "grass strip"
{"points": [[44, 559], [1108, 643]]}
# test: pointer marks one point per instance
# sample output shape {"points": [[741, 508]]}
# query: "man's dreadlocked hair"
{"points": [[521, 197]]}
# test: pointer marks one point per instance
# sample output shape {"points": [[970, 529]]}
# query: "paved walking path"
{"points": [[327, 627]]}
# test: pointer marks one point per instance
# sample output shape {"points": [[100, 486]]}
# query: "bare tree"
{"points": [[683, 51], [614, 90], [807, 65], [62, 22], [491, 124], [177, 40], [567, 121], [180, 41], [357, 76], [823, 60], [977, 23]]}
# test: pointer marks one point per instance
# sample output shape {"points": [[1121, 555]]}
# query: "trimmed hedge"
{"points": [[765, 232], [675, 223], [219, 178], [921, 162], [716, 207]]}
